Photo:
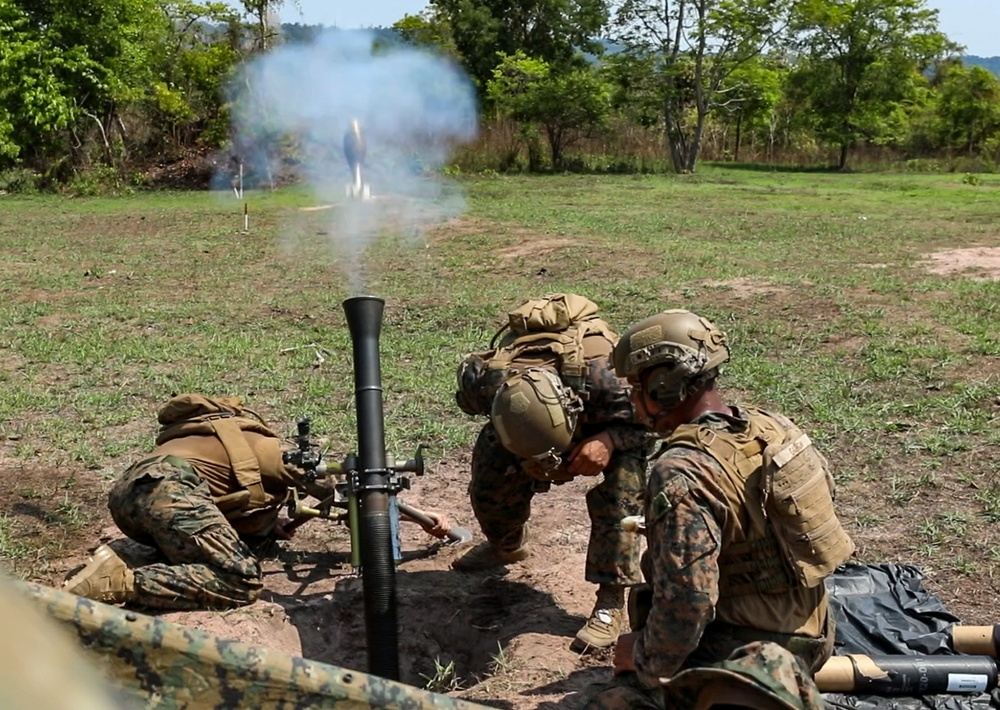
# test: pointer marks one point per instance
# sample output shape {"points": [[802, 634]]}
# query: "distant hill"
{"points": [[990, 63]]}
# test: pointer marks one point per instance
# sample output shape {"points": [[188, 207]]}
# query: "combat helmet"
{"points": [[535, 415], [686, 348]]}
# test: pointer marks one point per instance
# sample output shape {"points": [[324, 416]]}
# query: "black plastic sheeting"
{"points": [[885, 610]]}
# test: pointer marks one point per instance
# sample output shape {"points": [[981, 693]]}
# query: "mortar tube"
{"points": [[378, 569]]}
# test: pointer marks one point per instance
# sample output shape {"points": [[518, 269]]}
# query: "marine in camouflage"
{"points": [[685, 517], [155, 663], [163, 503], [758, 674], [685, 513], [501, 488]]}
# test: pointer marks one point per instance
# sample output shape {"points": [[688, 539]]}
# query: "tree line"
{"points": [[109, 87]]}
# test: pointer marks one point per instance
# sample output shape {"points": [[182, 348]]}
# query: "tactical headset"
{"points": [[663, 387]]}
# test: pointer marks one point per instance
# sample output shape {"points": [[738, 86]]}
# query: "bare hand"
{"points": [[441, 524], [591, 456], [283, 530], [624, 661]]}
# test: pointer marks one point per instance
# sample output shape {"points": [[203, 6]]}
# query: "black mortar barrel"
{"points": [[378, 569]]}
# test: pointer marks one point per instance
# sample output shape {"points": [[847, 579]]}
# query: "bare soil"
{"points": [[979, 263]]}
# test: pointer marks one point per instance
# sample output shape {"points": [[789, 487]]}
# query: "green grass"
{"points": [[109, 306]]}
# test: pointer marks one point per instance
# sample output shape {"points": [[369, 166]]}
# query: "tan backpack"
{"points": [[560, 330], [226, 418]]}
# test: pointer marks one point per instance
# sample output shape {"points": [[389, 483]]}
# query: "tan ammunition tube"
{"points": [[976, 640]]}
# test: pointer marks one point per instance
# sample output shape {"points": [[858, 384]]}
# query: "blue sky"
{"points": [[974, 23]]}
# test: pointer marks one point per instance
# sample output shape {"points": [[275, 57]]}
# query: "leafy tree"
{"points": [[968, 107], [36, 101], [567, 104], [752, 93], [555, 31], [427, 30], [261, 12], [692, 48], [862, 61], [188, 99], [71, 65]]}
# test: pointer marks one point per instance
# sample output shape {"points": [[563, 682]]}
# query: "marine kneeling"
{"points": [[210, 491], [740, 526]]}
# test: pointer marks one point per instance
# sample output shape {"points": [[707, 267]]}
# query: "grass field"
{"points": [[108, 306]]}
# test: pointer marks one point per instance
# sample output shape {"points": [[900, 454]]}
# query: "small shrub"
{"points": [[20, 181]]}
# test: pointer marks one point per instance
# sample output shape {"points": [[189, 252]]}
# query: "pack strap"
{"points": [[242, 459]]}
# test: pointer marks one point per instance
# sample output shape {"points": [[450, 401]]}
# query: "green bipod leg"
{"points": [[353, 522]]}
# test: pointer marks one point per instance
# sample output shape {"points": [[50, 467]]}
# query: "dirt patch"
{"points": [[535, 247], [745, 288], [505, 634], [976, 263]]}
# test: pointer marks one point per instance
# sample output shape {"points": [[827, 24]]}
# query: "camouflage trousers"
{"points": [[501, 494], [163, 503]]}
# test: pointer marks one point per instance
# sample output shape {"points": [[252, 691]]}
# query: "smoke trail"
{"points": [[412, 106]]}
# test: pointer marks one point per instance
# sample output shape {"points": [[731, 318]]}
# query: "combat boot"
{"points": [[105, 579], [487, 555], [606, 620]]}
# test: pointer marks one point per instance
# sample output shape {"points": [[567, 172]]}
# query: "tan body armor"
{"points": [[239, 457], [783, 536]]}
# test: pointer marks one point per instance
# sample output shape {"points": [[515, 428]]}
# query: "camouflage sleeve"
{"points": [[609, 405], [682, 563]]}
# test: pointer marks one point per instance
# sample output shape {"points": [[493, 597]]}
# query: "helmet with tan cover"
{"points": [[685, 348], [535, 415]]}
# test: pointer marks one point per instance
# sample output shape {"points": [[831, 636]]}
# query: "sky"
{"points": [[973, 23]]}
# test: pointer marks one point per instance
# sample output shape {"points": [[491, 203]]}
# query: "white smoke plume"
{"points": [[296, 103]]}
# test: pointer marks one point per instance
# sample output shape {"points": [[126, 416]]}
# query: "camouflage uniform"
{"points": [[686, 512], [163, 503], [750, 672], [501, 490]]}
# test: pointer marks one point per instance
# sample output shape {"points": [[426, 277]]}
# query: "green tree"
{"points": [[861, 64], [261, 13], [71, 65], [751, 95], [693, 47], [427, 30], [36, 98], [188, 98], [567, 104], [556, 31], [968, 107]]}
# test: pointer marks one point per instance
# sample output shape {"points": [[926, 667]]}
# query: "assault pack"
{"points": [[559, 330]]}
